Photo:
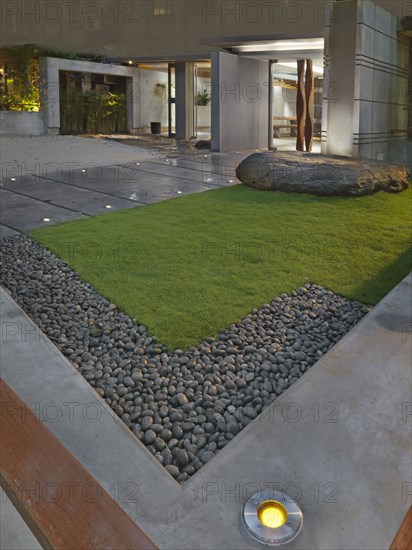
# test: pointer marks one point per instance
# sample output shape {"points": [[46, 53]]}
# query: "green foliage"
{"points": [[188, 268], [406, 23], [22, 76], [22, 80], [203, 98], [94, 112]]}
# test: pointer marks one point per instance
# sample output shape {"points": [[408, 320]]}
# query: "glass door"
{"points": [[172, 99]]}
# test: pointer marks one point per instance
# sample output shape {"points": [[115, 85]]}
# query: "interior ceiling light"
{"points": [[316, 68], [284, 45], [272, 518]]}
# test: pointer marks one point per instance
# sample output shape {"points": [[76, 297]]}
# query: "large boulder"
{"points": [[296, 172]]}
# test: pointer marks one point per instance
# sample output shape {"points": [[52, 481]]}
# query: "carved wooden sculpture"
{"points": [[310, 96], [301, 106]]}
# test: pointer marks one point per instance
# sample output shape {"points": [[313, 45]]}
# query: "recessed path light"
{"points": [[108, 206], [46, 219], [272, 517]]}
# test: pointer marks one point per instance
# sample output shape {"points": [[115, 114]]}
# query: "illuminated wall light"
{"points": [[83, 170], [179, 192], [130, 62], [108, 206], [46, 220], [272, 518], [13, 179]]}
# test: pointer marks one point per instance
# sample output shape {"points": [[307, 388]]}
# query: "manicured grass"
{"points": [[190, 267]]}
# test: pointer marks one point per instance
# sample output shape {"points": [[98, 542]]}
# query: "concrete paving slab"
{"points": [[61, 195], [69, 196], [136, 185], [14, 533], [338, 441], [201, 174], [224, 171], [23, 213], [229, 159], [6, 232]]}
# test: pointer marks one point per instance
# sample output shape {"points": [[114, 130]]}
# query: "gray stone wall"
{"points": [[20, 123]]}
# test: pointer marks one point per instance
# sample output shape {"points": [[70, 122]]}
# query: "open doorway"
{"points": [[284, 100], [157, 99], [202, 99]]}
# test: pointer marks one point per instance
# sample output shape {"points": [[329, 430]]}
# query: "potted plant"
{"points": [[202, 98], [159, 90]]}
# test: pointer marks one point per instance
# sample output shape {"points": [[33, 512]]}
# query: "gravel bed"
{"points": [[183, 405]]}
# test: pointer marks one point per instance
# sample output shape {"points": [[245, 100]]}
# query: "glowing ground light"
{"points": [[46, 219], [272, 514], [108, 206], [179, 192], [13, 179], [271, 517]]}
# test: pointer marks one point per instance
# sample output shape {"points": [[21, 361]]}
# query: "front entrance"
{"points": [[283, 112]]}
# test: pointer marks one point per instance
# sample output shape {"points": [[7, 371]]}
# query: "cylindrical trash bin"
{"points": [[156, 127]]}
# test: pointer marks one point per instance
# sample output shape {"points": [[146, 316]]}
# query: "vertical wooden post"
{"points": [[310, 96], [301, 106]]}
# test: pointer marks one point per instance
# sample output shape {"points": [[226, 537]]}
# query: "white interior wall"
{"points": [[153, 108], [284, 101]]}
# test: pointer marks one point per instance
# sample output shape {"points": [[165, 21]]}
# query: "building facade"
{"points": [[228, 70]]}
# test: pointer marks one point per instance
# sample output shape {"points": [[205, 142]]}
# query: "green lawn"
{"points": [[189, 267]]}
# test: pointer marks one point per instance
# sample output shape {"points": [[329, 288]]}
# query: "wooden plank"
{"points": [[63, 505], [403, 539], [291, 118]]}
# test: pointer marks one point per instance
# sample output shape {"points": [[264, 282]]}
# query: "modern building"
{"points": [[234, 71]]}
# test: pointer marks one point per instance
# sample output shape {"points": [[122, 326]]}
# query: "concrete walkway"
{"points": [[338, 441], [52, 194]]}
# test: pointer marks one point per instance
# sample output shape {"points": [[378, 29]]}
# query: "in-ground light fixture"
{"points": [[46, 220], [272, 518]]}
